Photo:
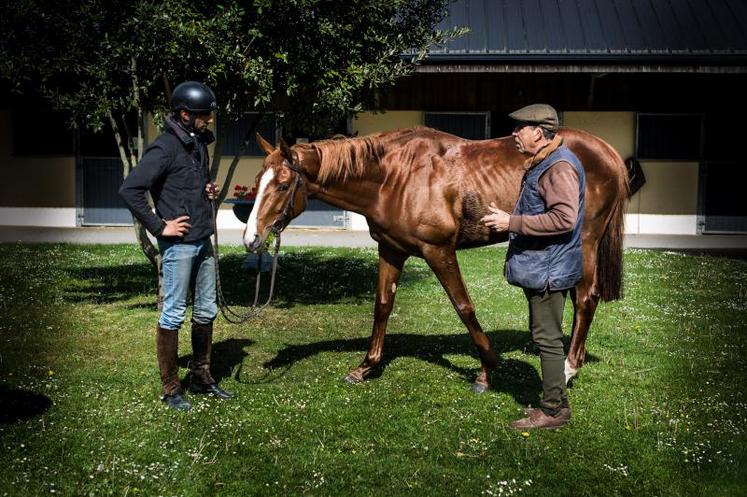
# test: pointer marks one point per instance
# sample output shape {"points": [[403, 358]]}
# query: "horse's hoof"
{"points": [[570, 373], [479, 387], [351, 378]]}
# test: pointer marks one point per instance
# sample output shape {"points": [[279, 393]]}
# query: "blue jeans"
{"points": [[187, 267]]}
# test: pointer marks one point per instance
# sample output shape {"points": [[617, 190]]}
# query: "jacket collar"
{"points": [[543, 153], [187, 137]]}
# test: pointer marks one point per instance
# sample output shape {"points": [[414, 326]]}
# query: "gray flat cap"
{"points": [[541, 115]]}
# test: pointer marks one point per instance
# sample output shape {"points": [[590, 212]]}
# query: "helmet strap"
{"points": [[189, 125]]}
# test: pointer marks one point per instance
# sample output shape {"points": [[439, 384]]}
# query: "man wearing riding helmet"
{"points": [[174, 169]]}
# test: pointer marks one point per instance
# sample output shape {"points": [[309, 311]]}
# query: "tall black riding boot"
{"points": [[167, 351], [200, 380]]}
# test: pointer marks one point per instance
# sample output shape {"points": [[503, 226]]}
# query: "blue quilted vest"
{"points": [[545, 262]]}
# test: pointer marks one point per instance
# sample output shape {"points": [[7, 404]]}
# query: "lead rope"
{"points": [[229, 314]]}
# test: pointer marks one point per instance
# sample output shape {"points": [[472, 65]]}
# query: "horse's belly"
{"points": [[474, 235]]}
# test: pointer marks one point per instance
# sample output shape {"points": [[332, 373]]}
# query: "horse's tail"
{"points": [[610, 251]]}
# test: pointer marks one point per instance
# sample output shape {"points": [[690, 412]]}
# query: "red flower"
{"points": [[242, 192]]}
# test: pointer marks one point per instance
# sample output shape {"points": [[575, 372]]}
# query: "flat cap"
{"points": [[541, 115]]}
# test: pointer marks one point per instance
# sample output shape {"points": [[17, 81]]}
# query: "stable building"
{"points": [[663, 82]]}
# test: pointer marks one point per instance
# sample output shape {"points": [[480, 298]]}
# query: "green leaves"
{"points": [[313, 61]]}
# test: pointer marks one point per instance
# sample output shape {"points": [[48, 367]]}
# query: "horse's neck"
{"points": [[356, 190], [356, 195]]}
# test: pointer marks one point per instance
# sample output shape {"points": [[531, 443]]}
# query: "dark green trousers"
{"points": [[546, 325]]}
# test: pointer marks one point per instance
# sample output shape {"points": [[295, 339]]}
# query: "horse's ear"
{"points": [[285, 150], [264, 145]]}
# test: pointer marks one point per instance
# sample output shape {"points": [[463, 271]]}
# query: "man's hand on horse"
{"points": [[498, 220], [212, 190], [176, 227]]}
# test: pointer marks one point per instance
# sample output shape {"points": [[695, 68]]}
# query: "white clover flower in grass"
{"points": [[621, 469], [507, 487]]}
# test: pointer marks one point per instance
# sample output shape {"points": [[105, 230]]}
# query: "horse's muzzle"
{"points": [[254, 245]]}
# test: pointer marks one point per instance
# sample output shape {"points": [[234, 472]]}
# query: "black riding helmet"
{"points": [[193, 96]]}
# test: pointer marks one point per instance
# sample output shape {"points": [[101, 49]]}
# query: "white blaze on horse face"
{"points": [[251, 224]]}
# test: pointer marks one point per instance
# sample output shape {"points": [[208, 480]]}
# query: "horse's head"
{"points": [[281, 194]]}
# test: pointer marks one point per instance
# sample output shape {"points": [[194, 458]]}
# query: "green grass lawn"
{"points": [[659, 409]]}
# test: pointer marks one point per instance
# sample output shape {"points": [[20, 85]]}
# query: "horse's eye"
{"points": [[282, 187]]}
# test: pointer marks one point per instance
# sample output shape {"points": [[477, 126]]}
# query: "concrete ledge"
{"points": [[115, 235], [342, 238]]}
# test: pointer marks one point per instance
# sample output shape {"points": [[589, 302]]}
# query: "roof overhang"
{"points": [[596, 63], [584, 63]]}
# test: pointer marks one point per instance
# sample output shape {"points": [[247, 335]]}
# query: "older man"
{"points": [[544, 252]]}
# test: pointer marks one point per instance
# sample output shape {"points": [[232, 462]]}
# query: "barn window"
{"points": [[721, 208], [470, 125], [236, 132], [669, 137], [41, 132]]}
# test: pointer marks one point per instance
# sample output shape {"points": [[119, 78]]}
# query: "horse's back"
{"points": [[596, 155], [449, 177], [606, 175]]}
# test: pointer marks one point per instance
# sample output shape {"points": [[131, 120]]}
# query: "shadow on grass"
{"points": [[228, 355], [21, 405], [303, 278], [515, 377], [111, 284]]}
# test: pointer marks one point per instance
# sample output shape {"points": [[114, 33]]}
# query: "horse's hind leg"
{"points": [[390, 268], [444, 264], [585, 299]]}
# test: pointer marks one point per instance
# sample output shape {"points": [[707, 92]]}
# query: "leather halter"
{"points": [[278, 224], [229, 314]]}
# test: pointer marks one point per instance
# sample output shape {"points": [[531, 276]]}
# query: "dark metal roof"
{"points": [[711, 32]]}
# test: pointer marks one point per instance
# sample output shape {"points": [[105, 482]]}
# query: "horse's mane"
{"points": [[348, 158]]}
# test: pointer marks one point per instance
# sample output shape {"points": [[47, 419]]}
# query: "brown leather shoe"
{"points": [[536, 418]]}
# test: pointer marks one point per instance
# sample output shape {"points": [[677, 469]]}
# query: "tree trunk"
{"points": [[129, 163], [150, 251], [220, 133]]}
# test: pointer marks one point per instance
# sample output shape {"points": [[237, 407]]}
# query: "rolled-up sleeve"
{"points": [[136, 185]]}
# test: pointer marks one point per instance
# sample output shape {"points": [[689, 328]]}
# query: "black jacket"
{"points": [[174, 168]]}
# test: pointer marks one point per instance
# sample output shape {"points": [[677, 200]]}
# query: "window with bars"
{"points": [[41, 132], [236, 133], [674, 137], [470, 125]]}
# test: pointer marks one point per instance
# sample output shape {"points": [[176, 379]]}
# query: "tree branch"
{"points": [[146, 245], [136, 103], [120, 145], [242, 150]]}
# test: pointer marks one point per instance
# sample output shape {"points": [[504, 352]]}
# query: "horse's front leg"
{"points": [[443, 262], [390, 267]]}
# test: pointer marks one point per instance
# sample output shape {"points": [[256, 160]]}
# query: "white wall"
{"points": [[50, 217], [668, 202]]}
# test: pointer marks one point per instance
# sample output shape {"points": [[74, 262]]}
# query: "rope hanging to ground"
{"points": [[229, 314]]}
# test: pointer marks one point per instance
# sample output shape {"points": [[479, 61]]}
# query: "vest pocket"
{"points": [[527, 268]]}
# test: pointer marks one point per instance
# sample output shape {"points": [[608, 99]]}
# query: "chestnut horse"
{"points": [[423, 193]]}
